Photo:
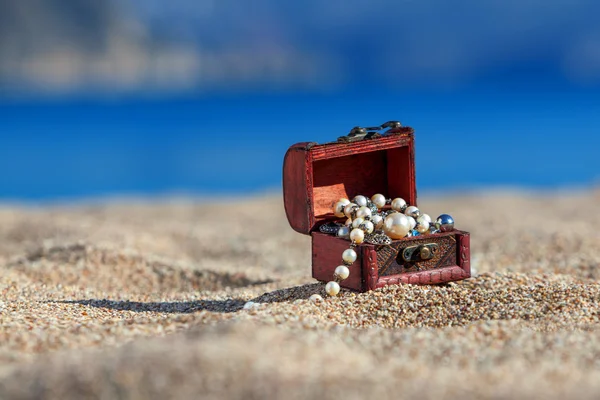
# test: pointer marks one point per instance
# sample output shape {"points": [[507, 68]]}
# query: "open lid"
{"points": [[316, 176]]}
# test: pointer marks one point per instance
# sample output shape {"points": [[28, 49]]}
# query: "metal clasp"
{"points": [[359, 133], [421, 252]]}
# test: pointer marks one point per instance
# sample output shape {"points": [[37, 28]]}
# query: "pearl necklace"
{"points": [[367, 221]]}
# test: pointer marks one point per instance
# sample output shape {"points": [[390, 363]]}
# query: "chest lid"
{"points": [[316, 176]]}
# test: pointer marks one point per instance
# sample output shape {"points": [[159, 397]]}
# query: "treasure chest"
{"points": [[367, 161]]}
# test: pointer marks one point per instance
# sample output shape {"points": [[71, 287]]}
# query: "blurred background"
{"points": [[148, 97]]}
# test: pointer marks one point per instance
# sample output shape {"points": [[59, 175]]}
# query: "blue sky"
{"points": [[501, 93]]}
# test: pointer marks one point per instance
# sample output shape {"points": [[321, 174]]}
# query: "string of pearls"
{"points": [[367, 219]]}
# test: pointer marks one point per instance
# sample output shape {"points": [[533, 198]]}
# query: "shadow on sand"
{"points": [[219, 306]]}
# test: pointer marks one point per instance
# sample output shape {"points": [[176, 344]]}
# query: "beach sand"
{"points": [[145, 299]]}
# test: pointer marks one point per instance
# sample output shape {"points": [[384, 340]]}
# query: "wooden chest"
{"points": [[316, 176]]}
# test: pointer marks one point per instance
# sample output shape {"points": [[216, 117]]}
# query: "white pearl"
{"points": [[349, 209], [344, 232], [412, 211], [377, 221], [338, 208], [356, 223], [423, 227], [332, 288], [396, 226], [316, 298], [348, 222], [357, 236], [424, 217], [379, 200], [364, 212], [369, 227], [342, 272], [398, 204], [412, 221], [250, 305], [349, 256], [361, 201]]}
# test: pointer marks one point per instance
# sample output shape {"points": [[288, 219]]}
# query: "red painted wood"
{"points": [[297, 187], [431, 277], [463, 259], [370, 270], [401, 173], [316, 176], [346, 177], [446, 275], [332, 150], [327, 255]]}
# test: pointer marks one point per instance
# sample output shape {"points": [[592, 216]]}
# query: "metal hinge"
{"points": [[359, 133]]}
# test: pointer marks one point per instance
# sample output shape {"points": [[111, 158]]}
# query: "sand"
{"points": [[138, 299]]}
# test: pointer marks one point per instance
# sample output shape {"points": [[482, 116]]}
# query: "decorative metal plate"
{"points": [[422, 252], [391, 259]]}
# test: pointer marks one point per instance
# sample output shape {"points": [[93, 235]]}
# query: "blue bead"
{"points": [[415, 232], [445, 223]]}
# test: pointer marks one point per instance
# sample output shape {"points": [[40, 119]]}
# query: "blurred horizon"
{"points": [[140, 97]]}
